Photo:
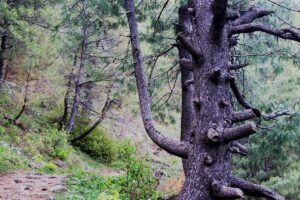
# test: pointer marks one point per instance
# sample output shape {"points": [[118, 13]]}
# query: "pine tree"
{"points": [[214, 134]]}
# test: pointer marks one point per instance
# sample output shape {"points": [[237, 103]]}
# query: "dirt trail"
{"points": [[30, 186]]}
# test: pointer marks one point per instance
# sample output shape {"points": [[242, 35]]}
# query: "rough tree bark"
{"points": [[187, 79], [214, 133], [3, 56]]}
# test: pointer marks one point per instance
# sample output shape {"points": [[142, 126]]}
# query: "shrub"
{"points": [[10, 159], [99, 145], [139, 182], [49, 168], [49, 142]]}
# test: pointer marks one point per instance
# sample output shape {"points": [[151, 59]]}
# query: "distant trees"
{"points": [[216, 126], [92, 47], [16, 30]]}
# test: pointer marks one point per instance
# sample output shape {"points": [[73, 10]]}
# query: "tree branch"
{"points": [[243, 116], [237, 66], [252, 14], [186, 43], [241, 99], [238, 149], [286, 33], [106, 108], [252, 189], [277, 114], [238, 132], [232, 14], [225, 192], [160, 13], [170, 145]]}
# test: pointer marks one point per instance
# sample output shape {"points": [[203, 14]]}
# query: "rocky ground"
{"points": [[30, 186]]}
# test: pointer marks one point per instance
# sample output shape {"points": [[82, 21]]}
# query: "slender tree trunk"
{"points": [[107, 106], [67, 101], [187, 81], [3, 56], [87, 103], [78, 78], [65, 116], [26, 98]]}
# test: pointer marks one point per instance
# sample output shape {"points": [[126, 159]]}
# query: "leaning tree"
{"points": [[205, 35]]}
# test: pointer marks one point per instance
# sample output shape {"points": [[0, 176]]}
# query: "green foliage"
{"points": [[99, 145], [288, 184], [50, 142], [10, 159], [83, 185], [49, 168], [138, 183]]}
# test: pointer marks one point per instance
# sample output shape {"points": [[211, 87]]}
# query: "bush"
{"points": [[139, 182], [99, 145], [10, 159], [125, 152], [50, 142], [49, 168]]}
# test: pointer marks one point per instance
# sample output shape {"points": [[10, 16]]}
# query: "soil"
{"points": [[30, 186]]}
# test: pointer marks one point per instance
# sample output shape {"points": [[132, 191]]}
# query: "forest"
{"points": [[149, 99]]}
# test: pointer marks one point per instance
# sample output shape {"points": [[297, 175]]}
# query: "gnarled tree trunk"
{"points": [[208, 142], [209, 162]]}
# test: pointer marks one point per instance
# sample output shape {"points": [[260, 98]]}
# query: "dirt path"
{"points": [[30, 186]]}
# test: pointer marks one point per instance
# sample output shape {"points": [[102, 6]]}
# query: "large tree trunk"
{"points": [[213, 137], [209, 163], [3, 56], [187, 79]]}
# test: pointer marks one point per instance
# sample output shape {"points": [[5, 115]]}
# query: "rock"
{"points": [[18, 181], [58, 189]]}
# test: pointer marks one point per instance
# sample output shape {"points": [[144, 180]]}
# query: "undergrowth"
{"points": [[43, 148]]}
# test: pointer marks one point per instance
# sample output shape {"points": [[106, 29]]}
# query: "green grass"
{"points": [[11, 160]]}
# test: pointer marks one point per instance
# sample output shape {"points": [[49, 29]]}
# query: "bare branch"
{"points": [[160, 13], [252, 14], [233, 14], [277, 114], [252, 189], [238, 132], [170, 145], [238, 149], [290, 9], [186, 43], [286, 33], [225, 192], [106, 108], [237, 66], [243, 116], [241, 99]]}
